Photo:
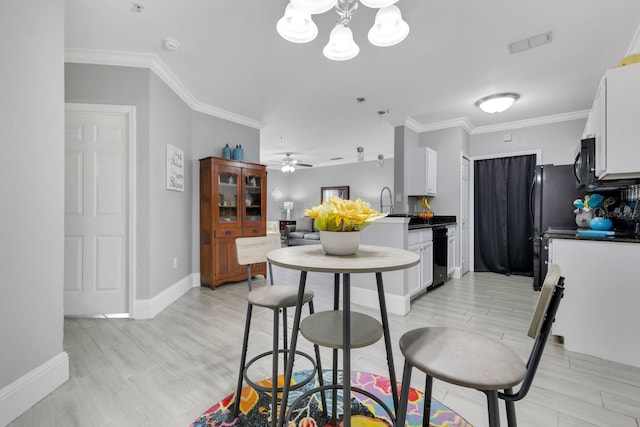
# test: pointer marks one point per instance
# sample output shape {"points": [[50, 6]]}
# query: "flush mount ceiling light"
{"points": [[497, 103], [297, 26]]}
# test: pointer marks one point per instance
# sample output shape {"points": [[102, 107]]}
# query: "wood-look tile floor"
{"points": [[168, 370]]}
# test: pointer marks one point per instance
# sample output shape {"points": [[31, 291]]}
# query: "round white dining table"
{"points": [[368, 259]]}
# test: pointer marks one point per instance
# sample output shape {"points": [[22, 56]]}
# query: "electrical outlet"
{"points": [[175, 262]]}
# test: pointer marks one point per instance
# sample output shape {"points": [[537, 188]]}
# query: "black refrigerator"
{"points": [[552, 194]]}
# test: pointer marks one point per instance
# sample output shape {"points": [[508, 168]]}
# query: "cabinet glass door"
{"points": [[253, 197], [228, 197]]}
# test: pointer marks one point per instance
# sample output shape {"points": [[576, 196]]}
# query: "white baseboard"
{"points": [[196, 280], [32, 387], [456, 273], [149, 308], [396, 304]]}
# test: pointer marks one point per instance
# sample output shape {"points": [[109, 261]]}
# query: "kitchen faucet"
{"points": [[390, 205]]}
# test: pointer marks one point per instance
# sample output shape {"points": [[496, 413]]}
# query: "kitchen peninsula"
{"points": [[598, 315], [404, 232]]}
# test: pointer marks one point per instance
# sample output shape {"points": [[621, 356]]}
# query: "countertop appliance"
{"points": [[440, 249], [553, 191]]}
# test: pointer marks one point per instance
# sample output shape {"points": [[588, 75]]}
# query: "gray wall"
{"points": [[31, 185], [365, 180], [167, 221], [557, 141], [102, 84], [170, 220]]}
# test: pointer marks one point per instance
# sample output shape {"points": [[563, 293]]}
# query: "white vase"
{"points": [[340, 242], [583, 219]]}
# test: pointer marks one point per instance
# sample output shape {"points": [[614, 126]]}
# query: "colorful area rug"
{"points": [[366, 412]]}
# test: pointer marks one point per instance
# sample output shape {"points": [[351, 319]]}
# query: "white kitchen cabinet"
{"points": [[613, 123], [598, 315], [432, 172], [420, 276], [451, 250], [423, 172]]}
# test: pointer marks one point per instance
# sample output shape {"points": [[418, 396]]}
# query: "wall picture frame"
{"points": [[175, 168], [340, 191]]}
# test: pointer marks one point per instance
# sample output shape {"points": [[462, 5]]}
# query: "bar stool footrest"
{"points": [[293, 386]]}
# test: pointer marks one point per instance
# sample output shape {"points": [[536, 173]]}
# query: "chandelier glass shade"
{"points": [[377, 4], [341, 46], [389, 28], [297, 25]]}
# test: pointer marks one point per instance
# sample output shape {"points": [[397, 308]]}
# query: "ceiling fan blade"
{"points": [[306, 165]]}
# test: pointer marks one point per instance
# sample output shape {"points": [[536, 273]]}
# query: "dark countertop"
{"points": [[440, 224], [416, 222], [575, 236]]}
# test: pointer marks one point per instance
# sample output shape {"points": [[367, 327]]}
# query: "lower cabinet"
{"points": [[599, 313], [420, 276], [451, 250]]}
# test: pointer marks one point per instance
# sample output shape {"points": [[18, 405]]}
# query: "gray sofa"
{"points": [[303, 232]]}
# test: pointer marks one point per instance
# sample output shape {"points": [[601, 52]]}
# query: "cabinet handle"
{"points": [[255, 231], [227, 233]]}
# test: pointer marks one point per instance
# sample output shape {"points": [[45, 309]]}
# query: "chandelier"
{"points": [[297, 26]]}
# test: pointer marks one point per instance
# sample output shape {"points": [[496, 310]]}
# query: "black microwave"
{"points": [[584, 165], [584, 169]]}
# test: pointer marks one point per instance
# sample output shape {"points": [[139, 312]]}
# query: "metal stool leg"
{"points": [[511, 409], [316, 348], [426, 409], [334, 395], [274, 369], [401, 412], [494, 411], [387, 341], [285, 331], [243, 360]]}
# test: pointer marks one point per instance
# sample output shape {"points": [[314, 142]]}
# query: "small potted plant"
{"points": [[340, 222]]}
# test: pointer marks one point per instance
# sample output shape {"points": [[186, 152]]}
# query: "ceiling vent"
{"points": [[530, 43]]}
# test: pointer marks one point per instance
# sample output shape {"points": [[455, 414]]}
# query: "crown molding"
{"points": [[413, 125], [465, 124], [536, 121], [461, 122], [155, 64]]}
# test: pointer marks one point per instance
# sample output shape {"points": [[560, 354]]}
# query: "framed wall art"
{"points": [[175, 168], [326, 192]]}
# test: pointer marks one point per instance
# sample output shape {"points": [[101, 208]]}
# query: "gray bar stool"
{"points": [[471, 360], [253, 250]]}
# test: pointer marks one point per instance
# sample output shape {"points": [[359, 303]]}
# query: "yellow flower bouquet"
{"points": [[336, 214]]}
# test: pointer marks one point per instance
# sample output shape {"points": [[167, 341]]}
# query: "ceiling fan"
{"points": [[288, 164]]}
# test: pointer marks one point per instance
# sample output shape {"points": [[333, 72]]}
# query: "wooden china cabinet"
{"points": [[232, 204]]}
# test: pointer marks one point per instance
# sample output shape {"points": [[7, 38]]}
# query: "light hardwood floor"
{"points": [[168, 370]]}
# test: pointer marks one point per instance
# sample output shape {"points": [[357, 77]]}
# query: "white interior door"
{"points": [[465, 198], [96, 212]]}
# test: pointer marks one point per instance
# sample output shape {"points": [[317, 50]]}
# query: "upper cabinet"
{"points": [[612, 122], [423, 177]]}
